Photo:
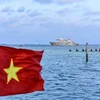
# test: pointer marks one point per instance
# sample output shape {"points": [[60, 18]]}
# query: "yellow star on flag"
{"points": [[12, 72]]}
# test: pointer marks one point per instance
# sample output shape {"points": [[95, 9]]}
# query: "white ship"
{"points": [[62, 42]]}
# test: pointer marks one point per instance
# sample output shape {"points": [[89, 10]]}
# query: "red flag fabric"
{"points": [[20, 71]]}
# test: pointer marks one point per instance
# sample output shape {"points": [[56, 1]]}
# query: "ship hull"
{"points": [[63, 44]]}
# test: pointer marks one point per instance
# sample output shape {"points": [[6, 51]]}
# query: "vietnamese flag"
{"points": [[20, 71]]}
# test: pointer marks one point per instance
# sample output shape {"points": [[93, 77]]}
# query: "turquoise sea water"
{"points": [[66, 74]]}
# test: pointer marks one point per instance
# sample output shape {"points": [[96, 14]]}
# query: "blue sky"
{"points": [[42, 21]]}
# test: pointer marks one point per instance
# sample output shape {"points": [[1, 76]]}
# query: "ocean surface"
{"points": [[66, 73]]}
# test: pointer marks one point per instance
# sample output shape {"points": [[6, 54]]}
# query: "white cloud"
{"points": [[21, 9], [47, 18]]}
